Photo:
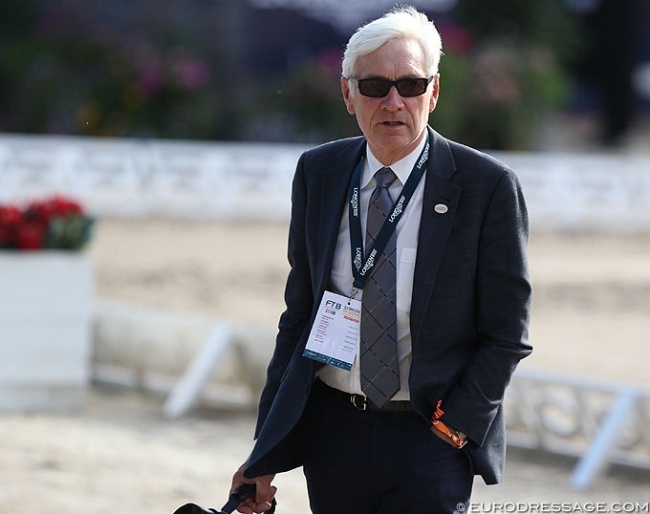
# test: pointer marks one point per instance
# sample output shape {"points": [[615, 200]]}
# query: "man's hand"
{"points": [[265, 492]]}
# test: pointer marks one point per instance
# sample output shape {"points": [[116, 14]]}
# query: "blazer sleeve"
{"points": [[503, 298], [298, 296]]}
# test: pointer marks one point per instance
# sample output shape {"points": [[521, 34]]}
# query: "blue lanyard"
{"points": [[362, 269]]}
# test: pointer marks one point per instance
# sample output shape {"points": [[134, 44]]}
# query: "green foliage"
{"points": [[69, 233], [542, 23], [502, 72], [496, 97], [512, 75], [310, 102], [455, 80], [66, 72]]}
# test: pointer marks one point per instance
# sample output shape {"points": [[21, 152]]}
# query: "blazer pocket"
{"points": [[405, 272]]}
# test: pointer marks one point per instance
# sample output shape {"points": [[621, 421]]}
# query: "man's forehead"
{"points": [[397, 58]]}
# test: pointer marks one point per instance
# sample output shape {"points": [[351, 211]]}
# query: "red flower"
{"points": [[29, 236], [44, 211], [9, 215], [60, 206], [10, 219]]}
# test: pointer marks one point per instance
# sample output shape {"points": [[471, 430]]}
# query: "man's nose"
{"points": [[393, 100]]}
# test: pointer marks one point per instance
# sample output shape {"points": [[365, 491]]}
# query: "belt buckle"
{"points": [[360, 402]]}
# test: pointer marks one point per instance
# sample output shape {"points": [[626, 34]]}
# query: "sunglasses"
{"points": [[379, 88]]}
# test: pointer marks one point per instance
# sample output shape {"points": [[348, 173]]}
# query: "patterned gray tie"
{"points": [[379, 362]]}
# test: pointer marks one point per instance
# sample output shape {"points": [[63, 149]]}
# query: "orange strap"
{"points": [[449, 432]]}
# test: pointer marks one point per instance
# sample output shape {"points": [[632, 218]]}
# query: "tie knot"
{"points": [[385, 177]]}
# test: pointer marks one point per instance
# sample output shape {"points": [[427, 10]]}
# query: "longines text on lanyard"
{"points": [[362, 270]]}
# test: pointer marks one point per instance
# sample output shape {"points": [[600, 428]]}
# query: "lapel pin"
{"points": [[441, 208]]}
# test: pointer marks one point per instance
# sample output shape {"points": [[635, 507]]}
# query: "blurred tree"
{"points": [[510, 75], [16, 48], [65, 70], [543, 23], [305, 104], [159, 68], [502, 72]]}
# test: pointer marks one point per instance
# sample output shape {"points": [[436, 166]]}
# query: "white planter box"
{"points": [[45, 313]]}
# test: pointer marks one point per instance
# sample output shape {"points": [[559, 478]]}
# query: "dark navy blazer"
{"points": [[470, 306]]}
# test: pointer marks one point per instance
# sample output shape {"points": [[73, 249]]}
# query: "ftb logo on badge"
{"points": [[332, 306]]}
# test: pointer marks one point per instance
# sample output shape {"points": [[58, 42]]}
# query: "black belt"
{"points": [[362, 403]]}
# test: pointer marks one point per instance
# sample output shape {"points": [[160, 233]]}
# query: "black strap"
{"points": [[235, 499]]}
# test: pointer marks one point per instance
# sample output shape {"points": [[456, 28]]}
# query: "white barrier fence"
{"points": [[598, 421], [131, 178], [252, 182]]}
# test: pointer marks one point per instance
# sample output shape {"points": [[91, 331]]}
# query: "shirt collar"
{"points": [[401, 168]]}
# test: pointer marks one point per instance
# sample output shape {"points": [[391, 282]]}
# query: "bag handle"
{"points": [[234, 500]]}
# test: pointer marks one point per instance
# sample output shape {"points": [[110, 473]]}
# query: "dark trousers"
{"points": [[361, 462]]}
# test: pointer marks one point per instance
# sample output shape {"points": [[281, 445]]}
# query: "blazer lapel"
{"points": [[439, 207], [334, 196]]}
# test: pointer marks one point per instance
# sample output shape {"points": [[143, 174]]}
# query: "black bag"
{"points": [[235, 499]]}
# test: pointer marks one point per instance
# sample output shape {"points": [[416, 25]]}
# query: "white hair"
{"points": [[399, 23]]}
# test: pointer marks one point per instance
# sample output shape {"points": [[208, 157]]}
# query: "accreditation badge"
{"points": [[334, 336]]}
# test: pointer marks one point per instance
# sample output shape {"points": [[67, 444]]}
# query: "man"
{"points": [[399, 420]]}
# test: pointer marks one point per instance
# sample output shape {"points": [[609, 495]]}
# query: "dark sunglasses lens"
{"points": [[375, 88], [378, 88], [411, 87]]}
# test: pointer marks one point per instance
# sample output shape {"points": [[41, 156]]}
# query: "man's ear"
{"points": [[345, 89]]}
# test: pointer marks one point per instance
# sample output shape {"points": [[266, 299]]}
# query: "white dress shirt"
{"points": [[407, 239]]}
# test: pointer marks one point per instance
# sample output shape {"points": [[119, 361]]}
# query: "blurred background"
{"points": [[268, 70], [177, 126]]}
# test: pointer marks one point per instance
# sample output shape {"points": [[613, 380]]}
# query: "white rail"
{"points": [[252, 182], [599, 422]]}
